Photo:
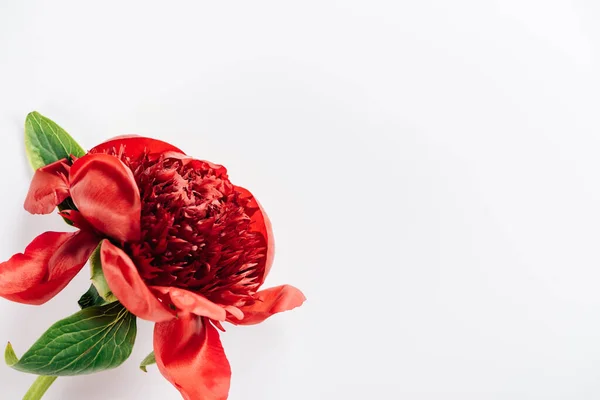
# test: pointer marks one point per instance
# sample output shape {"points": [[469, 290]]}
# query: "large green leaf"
{"points": [[46, 142], [94, 339]]}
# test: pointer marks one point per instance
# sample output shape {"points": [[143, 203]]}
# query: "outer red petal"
{"points": [[190, 355], [126, 284], [262, 224], [48, 264], [105, 193], [190, 302], [270, 301], [48, 188], [133, 146]]}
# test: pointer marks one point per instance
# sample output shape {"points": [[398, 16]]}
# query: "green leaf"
{"points": [[90, 298], [46, 142], [9, 355], [98, 278], [149, 360], [94, 339]]}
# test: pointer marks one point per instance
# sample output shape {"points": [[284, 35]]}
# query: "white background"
{"points": [[431, 168]]}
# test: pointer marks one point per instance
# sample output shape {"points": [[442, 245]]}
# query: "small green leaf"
{"points": [[98, 278], [94, 339], [149, 360], [46, 142], [90, 298], [9, 355]]}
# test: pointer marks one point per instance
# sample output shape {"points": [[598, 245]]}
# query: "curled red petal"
{"points": [[133, 146], [191, 302], [105, 193], [235, 312], [262, 224], [48, 188], [48, 264], [189, 354], [126, 284], [268, 302]]}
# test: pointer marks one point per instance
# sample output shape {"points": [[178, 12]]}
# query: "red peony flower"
{"points": [[180, 245]]}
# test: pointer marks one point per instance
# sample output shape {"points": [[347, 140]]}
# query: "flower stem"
{"points": [[39, 387]]}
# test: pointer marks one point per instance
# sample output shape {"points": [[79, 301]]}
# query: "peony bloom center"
{"points": [[195, 230]]}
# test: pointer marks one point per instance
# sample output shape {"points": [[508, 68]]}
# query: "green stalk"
{"points": [[39, 387]]}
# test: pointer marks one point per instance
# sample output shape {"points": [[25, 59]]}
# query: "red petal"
{"points": [[190, 355], [48, 264], [126, 284], [261, 224], [235, 312], [191, 302], [48, 188], [135, 145], [218, 169], [105, 193], [76, 219], [218, 325], [270, 301]]}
